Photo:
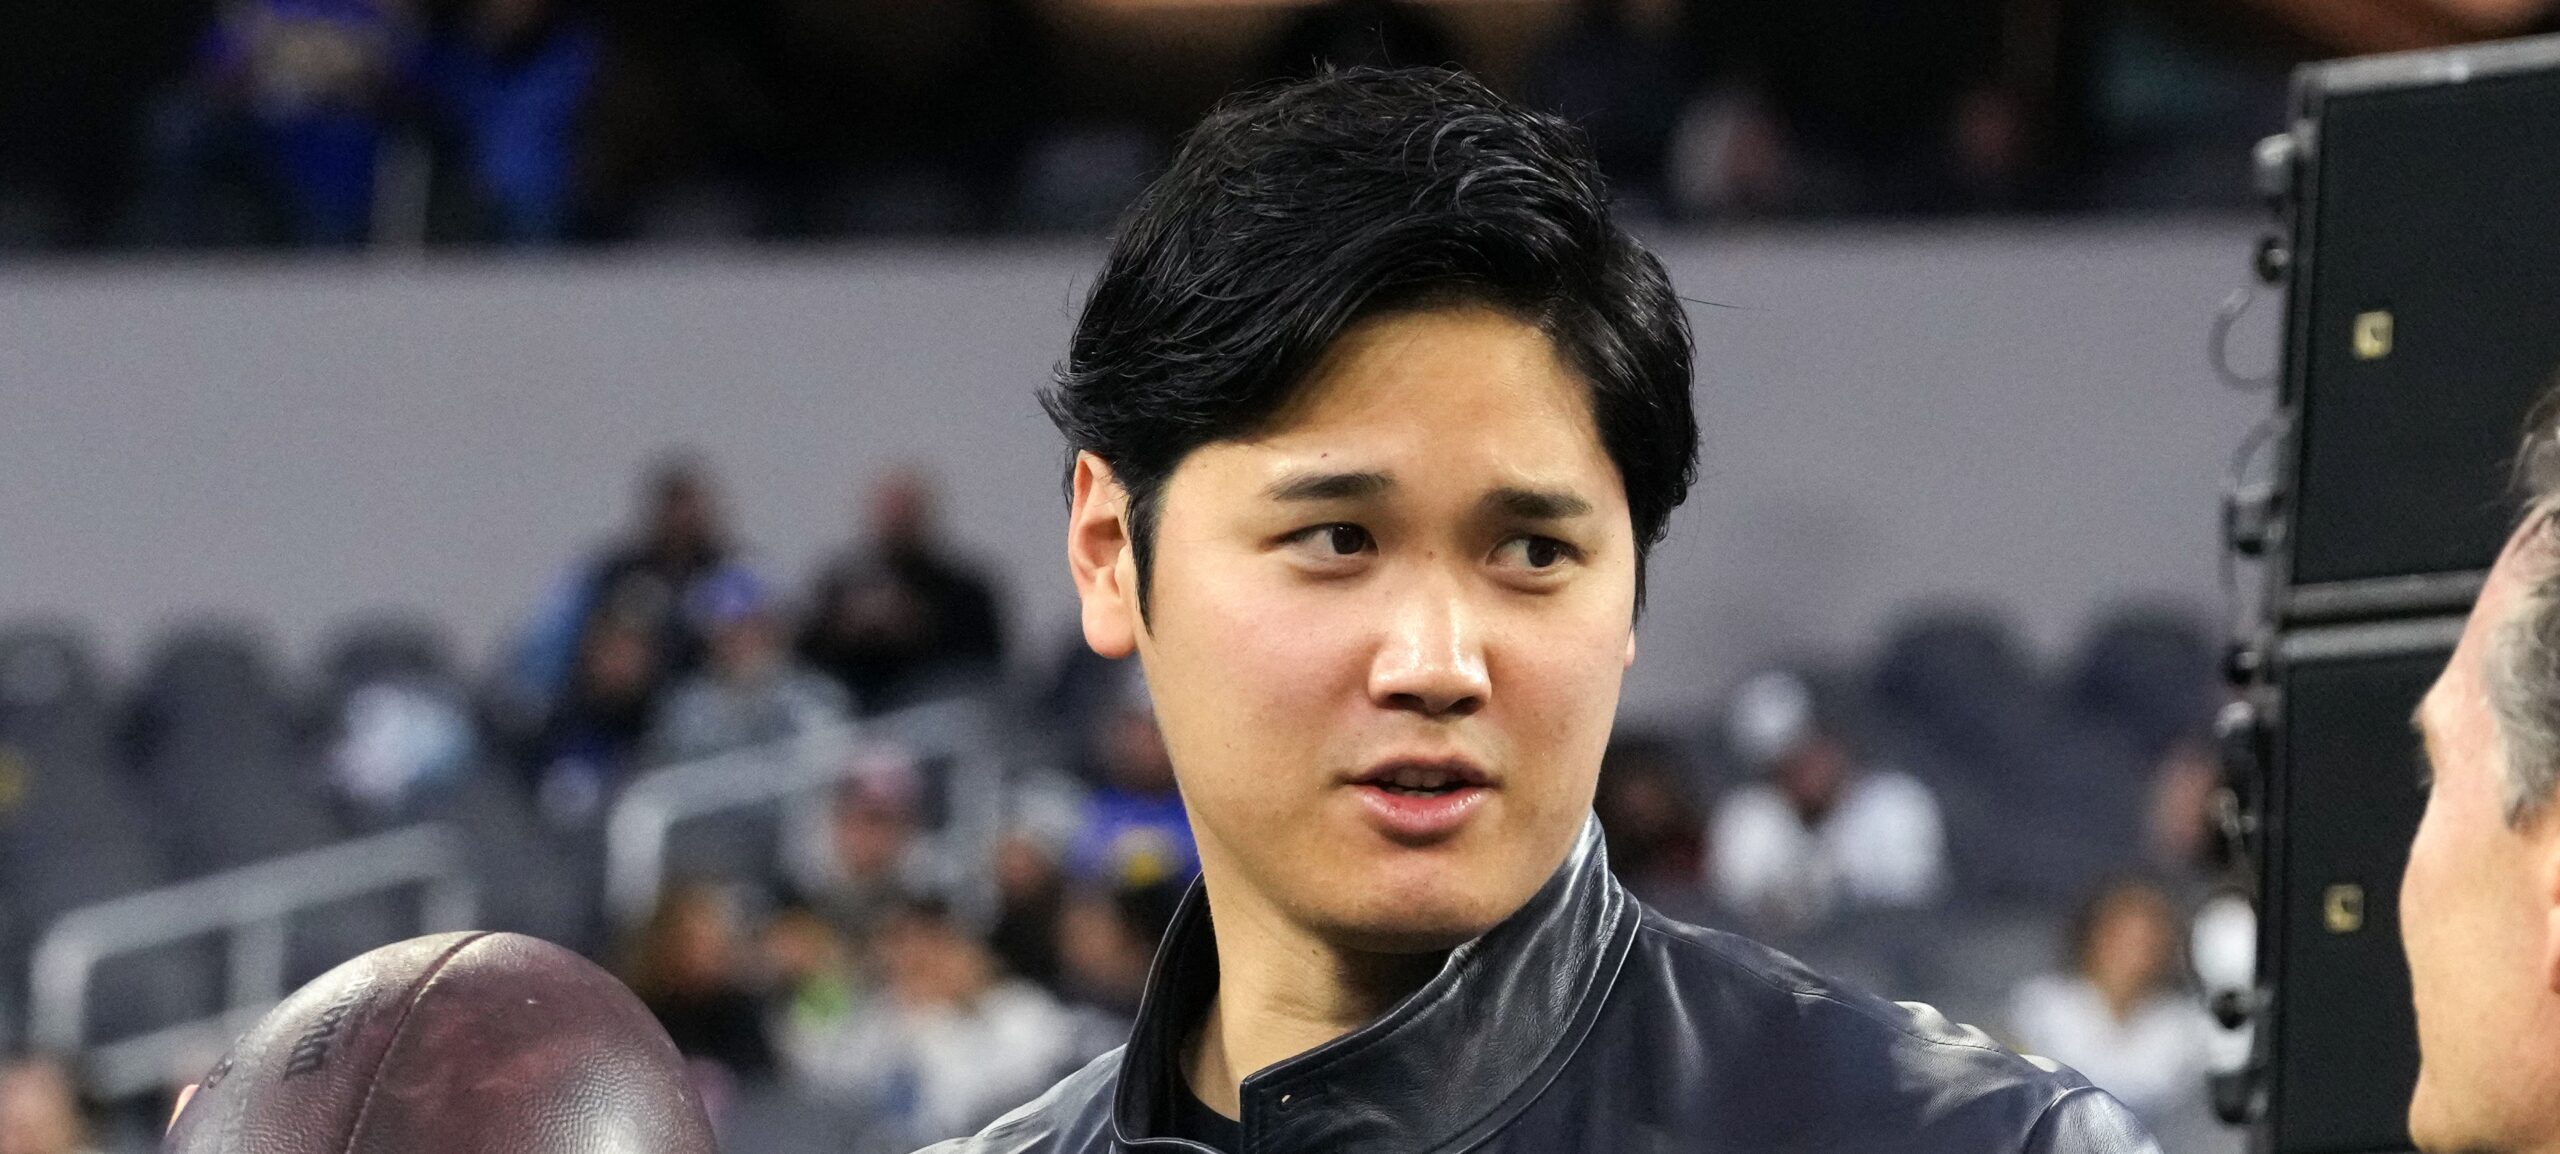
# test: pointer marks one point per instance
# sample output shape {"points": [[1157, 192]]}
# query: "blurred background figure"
{"points": [[2123, 1014], [1134, 829], [951, 1041], [873, 857], [1031, 902], [40, 1110], [1106, 943], [582, 690], [750, 690], [278, 131], [2145, 681], [693, 967], [2182, 834], [1818, 834], [643, 583], [506, 84], [589, 744], [897, 617], [818, 984], [538, 122]]}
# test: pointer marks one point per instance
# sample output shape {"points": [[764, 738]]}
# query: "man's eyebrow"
{"points": [[1329, 486], [1537, 504]]}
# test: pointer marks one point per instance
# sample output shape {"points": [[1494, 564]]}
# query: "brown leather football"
{"points": [[468, 1043]]}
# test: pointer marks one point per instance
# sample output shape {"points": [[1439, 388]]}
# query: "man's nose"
{"points": [[1431, 661]]}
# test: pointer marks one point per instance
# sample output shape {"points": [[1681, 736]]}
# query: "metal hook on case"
{"points": [[2218, 343]]}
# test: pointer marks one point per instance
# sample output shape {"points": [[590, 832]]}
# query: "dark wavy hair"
{"points": [[1293, 212]]}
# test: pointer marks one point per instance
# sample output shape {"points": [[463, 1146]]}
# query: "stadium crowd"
{"points": [[856, 970], [330, 123]]}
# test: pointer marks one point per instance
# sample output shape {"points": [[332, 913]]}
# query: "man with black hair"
{"points": [[1373, 413]]}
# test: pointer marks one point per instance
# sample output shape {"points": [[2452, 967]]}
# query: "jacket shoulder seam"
{"points": [[1821, 995]]}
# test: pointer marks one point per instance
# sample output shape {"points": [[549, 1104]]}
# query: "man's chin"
{"points": [[1416, 923], [2421, 1121], [2431, 1127]]}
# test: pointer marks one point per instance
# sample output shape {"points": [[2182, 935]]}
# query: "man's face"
{"points": [[2476, 905], [1386, 634]]}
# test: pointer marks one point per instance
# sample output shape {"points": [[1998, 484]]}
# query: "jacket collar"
{"points": [[1451, 1062]]}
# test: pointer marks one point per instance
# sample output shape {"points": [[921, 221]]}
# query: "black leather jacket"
{"points": [[1587, 1022]]}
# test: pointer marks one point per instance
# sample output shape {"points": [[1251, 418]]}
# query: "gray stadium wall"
{"points": [[2019, 414]]}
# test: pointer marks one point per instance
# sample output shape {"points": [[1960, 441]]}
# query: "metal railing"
{"points": [[256, 905], [644, 818], [958, 735]]}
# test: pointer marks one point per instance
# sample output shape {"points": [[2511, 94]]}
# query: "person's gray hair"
{"points": [[2524, 660]]}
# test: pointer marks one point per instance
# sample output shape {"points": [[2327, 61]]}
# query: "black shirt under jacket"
{"points": [[1587, 1022]]}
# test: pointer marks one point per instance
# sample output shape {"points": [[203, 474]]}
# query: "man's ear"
{"points": [[1100, 558]]}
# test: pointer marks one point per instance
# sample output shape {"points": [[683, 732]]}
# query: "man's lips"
{"points": [[1422, 801], [1424, 775]]}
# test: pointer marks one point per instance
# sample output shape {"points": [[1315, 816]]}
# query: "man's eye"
{"points": [[1536, 552], [1335, 540]]}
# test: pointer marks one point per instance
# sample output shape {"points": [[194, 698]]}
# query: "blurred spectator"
{"points": [[750, 691], [1818, 834], [509, 80], [644, 582], [1031, 899], [818, 983], [900, 618], [1854, 106], [40, 1110], [1107, 943], [1355, 33], [950, 1043], [1656, 836], [693, 119], [873, 857], [2121, 1014], [2182, 837], [288, 105], [590, 745], [1135, 830], [691, 968]]}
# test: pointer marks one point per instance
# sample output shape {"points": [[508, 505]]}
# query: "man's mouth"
{"points": [[1421, 801], [1414, 784], [1423, 778]]}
